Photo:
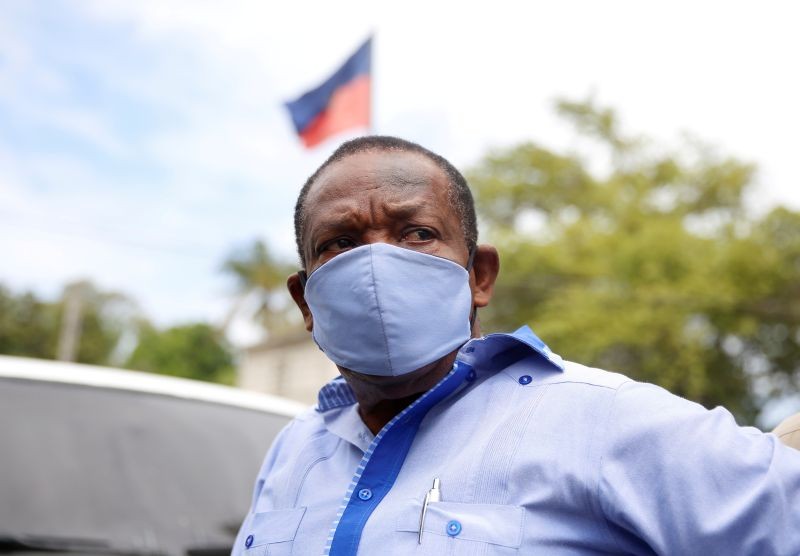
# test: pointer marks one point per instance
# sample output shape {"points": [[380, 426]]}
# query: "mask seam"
{"points": [[380, 310]]}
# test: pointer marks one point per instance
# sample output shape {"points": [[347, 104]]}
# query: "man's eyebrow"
{"points": [[407, 210], [336, 220], [327, 228], [402, 209]]}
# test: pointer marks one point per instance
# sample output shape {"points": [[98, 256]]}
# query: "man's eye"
{"points": [[419, 234], [339, 244]]}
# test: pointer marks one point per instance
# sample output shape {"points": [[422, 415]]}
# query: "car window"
{"points": [[142, 471]]}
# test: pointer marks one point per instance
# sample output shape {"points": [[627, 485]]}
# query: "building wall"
{"points": [[293, 368]]}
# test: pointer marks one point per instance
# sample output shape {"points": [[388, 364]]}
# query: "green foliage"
{"points": [[256, 267], [652, 267], [260, 278], [191, 351], [30, 327]]}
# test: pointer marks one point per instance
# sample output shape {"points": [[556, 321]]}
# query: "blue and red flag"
{"points": [[340, 103]]}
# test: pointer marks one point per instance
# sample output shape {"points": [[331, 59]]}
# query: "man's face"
{"points": [[400, 198]]}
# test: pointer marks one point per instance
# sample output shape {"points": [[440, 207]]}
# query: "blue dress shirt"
{"points": [[534, 455]]}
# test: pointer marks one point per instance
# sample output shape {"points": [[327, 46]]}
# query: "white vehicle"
{"points": [[104, 461]]}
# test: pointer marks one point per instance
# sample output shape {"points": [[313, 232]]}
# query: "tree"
{"points": [[190, 351], [652, 267], [260, 279], [28, 325], [32, 327]]}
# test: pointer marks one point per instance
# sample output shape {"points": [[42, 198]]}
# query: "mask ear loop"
{"points": [[470, 261], [471, 258]]}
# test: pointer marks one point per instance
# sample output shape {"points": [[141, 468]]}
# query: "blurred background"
{"points": [[635, 163]]}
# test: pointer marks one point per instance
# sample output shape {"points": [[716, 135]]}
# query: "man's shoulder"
{"points": [[571, 374], [308, 424], [581, 374], [308, 421]]}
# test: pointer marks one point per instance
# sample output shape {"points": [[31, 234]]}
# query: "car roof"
{"points": [[135, 381]]}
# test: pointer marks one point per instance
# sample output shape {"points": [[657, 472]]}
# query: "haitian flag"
{"points": [[340, 103]]}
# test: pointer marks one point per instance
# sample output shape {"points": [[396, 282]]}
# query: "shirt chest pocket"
{"points": [[465, 529], [271, 533]]}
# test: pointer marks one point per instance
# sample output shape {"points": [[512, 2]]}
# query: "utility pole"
{"points": [[69, 338]]}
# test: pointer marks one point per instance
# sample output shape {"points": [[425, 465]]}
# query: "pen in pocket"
{"points": [[433, 495]]}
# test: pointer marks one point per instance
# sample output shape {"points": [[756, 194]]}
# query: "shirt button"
{"points": [[471, 376], [365, 494], [525, 379], [248, 542], [453, 528]]}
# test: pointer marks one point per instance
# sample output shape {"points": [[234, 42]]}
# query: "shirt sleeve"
{"points": [[266, 467], [675, 478]]}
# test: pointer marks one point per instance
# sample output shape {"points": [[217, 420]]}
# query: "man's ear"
{"points": [[485, 268], [298, 294]]}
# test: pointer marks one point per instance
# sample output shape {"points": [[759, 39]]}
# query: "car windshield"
{"points": [[145, 473]]}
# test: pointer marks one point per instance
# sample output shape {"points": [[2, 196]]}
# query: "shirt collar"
{"points": [[495, 352], [337, 393], [491, 353]]}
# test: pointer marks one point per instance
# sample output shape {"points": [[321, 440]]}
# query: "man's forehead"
{"points": [[361, 172]]}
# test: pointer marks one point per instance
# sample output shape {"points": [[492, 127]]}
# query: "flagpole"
{"points": [[371, 128]]}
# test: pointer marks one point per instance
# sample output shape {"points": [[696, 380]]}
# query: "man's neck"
{"points": [[380, 399]]}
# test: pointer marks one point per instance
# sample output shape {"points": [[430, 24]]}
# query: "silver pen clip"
{"points": [[433, 495]]}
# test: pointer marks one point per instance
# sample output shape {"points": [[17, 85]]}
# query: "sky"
{"points": [[141, 142]]}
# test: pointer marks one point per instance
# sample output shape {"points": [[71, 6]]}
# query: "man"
{"points": [[436, 440], [788, 431]]}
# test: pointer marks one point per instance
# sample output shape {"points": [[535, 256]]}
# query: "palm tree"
{"points": [[261, 280]]}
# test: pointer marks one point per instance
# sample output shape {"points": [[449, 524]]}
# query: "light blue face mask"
{"points": [[387, 311]]}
